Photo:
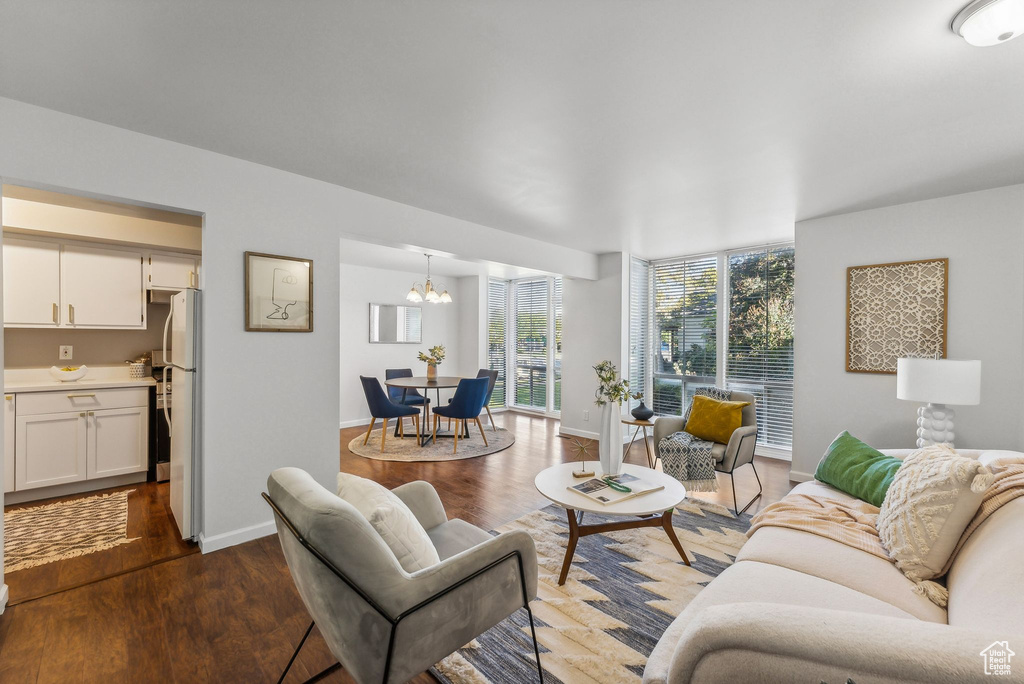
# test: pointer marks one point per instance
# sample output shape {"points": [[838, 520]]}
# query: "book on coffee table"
{"points": [[601, 492]]}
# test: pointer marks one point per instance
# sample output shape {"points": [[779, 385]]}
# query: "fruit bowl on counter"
{"points": [[68, 373]]}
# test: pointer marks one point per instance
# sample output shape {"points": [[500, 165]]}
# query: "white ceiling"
{"points": [[412, 260], [663, 127]]}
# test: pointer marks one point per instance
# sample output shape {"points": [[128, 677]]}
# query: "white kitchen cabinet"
{"points": [[31, 283], [102, 288], [172, 271], [118, 441], [50, 449], [9, 428]]}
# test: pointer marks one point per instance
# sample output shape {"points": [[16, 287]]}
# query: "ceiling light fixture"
{"points": [[989, 22], [428, 291]]}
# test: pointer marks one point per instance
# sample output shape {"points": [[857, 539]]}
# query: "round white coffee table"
{"points": [[652, 510]]}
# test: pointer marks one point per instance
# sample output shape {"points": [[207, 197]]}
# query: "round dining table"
{"points": [[423, 383]]}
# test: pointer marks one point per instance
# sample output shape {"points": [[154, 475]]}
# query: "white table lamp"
{"points": [[938, 382]]}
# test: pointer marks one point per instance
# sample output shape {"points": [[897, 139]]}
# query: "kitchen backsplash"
{"points": [[37, 348]]}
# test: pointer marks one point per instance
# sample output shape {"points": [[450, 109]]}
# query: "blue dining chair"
{"points": [[466, 405], [409, 397], [382, 407], [492, 379]]}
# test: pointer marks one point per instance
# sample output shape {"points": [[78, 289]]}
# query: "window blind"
{"points": [[639, 327], [685, 328], [557, 309], [530, 351], [497, 341], [759, 357]]}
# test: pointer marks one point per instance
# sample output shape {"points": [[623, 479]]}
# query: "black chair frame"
{"points": [[732, 479], [395, 620]]}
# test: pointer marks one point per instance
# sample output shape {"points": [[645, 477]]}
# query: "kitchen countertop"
{"points": [[101, 377]]}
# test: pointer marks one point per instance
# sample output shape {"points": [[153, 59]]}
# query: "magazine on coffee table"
{"points": [[601, 492]]}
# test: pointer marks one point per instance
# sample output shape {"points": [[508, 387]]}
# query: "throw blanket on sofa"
{"points": [[689, 459], [1007, 486], [848, 522]]}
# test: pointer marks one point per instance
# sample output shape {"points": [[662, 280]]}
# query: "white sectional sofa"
{"points": [[796, 607]]}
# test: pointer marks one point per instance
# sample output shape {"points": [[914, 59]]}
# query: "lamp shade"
{"points": [[939, 381]]}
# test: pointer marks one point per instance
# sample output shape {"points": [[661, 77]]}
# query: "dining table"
{"points": [[426, 384]]}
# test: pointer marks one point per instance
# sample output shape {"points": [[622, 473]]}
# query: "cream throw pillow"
{"points": [[931, 500], [392, 520]]}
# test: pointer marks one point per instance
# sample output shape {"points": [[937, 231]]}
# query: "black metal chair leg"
{"points": [[296, 654], [536, 649], [760, 489]]}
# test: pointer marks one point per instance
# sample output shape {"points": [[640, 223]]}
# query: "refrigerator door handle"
{"points": [[167, 327], [163, 394]]}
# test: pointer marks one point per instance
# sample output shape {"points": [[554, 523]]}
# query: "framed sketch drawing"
{"points": [[893, 311], [278, 293]]}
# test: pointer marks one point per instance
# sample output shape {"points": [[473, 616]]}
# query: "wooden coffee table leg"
{"points": [[666, 522], [570, 549]]}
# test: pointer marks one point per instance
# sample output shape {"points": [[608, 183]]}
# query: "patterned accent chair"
{"points": [[728, 457]]}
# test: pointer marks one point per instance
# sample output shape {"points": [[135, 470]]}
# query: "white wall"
{"points": [[982, 234], [472, 307], [594, 318], [269, 399], [360, 286]]}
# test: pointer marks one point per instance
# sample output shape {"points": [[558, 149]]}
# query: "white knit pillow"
{"points": [[931, 500], [392, 520]]}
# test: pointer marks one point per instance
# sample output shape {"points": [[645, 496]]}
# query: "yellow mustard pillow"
{"points": [[715, 420]]}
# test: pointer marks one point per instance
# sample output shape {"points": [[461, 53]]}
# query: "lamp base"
{"points": [[935, 425]]}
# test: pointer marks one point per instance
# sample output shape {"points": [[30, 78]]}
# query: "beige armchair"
{"points": [[382, 623], [728, 457]]}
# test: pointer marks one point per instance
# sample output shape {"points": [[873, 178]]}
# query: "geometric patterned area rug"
{"points": [[66, 529], [408, 451], [623, 591]]}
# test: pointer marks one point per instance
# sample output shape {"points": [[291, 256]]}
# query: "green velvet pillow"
{"points": [[852, 466]]}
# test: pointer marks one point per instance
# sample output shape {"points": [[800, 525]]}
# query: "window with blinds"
{"points": [[639, 327], [497, 340], [556, 308], [759, 355], [685, 293], [530, 348]]}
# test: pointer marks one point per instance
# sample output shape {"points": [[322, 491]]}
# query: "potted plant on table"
{"points": [[611, 392], [433, 358]]}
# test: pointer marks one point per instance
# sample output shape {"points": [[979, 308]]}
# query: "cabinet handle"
{"points": [[81, 415], [92, 413], [56, 312], [80, 396], [9, 397], [191, 279], [71, 314]]}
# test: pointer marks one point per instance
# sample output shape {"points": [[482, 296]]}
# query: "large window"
{"points": [[685, 330], [524, 342], [760, 347], [497, 319], [681, 338]]}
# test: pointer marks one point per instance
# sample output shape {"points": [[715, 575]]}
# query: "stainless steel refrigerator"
{"points": [[181, 359]]}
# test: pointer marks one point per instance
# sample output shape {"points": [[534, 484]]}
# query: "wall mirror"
{"points": [[396, 324]]}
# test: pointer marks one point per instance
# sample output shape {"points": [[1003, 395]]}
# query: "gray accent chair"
{"points": [[383, 624], [728, 457]]}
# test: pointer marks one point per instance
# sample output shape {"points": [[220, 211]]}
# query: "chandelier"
{"points": [[428, 291]]}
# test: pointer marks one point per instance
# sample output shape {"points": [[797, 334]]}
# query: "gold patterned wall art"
{"points": [[895, 310]]}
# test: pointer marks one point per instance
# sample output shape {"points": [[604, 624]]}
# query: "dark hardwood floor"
{"points": [[234, 615], [149, 523]]}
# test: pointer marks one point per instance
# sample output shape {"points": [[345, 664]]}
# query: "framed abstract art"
{"points": [[895, 310], [278, 293]]}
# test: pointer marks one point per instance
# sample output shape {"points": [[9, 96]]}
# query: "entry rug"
{"points": [[622, 593], [66, 529]]}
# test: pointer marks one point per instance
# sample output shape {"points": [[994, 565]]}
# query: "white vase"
{"points": [[610, 440]]}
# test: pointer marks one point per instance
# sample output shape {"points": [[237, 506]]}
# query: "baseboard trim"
{"points": [[236, 537], [70, 488], [795, 476], [3, 598], [627, 434], [354, 423]]}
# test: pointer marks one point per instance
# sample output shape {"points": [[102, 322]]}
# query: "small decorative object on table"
{"points": [[611, 392], [580, 451], [641, 412], [433, 358]]}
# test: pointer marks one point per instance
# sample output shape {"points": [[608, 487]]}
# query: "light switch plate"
{"points": [[66, 352], [586, 415]]}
